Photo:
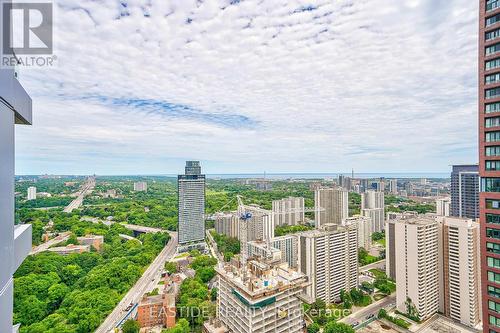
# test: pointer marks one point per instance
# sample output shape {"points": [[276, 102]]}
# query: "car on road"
{"points": [[370, 316], [356, 323]]}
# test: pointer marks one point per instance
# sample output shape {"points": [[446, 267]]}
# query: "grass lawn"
{"points": [[377, 272], [381, 242]]}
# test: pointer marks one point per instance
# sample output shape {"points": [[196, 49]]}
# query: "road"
{"points": [[372, 309], [45, 246], [146, 283], [379, 264], [86, 189]]}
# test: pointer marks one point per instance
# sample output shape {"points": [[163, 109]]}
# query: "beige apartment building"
{"points": [[461, 279], [416, 249], [335, 202], [329, 257], [436, 264], [364, 225], [289, 211]]}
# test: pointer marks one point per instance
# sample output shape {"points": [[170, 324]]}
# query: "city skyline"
{"points": [[255, 95]]}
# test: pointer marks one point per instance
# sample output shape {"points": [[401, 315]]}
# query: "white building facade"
{"points": [[31, 193], [443, 206], [335, 205], [417, 265], [373, 206], [288, 211], [329, 257], [15, 241]]}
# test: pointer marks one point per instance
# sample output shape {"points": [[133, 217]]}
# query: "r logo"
{"points": [[27, 28]]}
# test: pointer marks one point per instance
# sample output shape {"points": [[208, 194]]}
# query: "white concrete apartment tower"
{"points": [[443, 206], [417, 265], [335, 202], [191, 189], [373, 206], [15, 241], [461, 270], [329, 257], [31, 193], [289, 211]]}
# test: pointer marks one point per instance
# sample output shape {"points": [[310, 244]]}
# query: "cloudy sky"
{"points": [[255, 85]]}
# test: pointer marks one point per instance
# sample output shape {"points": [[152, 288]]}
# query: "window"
{"points": [[492, 93], [493, 247], [492, 166], [492, 20], [494, 321], [493, 107], [492, 151], [493, 262], [492, 49], [492, 136], [492, 122], [494, 34], [492, 64], [492, 4], [494, 277], [492, 78], [493, 218], [493, 233], [492, 204], [494, 291], [494, 306], [491, 184]]}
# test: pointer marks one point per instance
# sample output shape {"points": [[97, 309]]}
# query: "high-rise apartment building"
{"points": [[416, 249], [15, 108], [443, 206], [140, 187], [393, 186], [266, 301], [227, 224], [329, 257], [31, 193], [489, 161], [287, 246], [191, 189], [465, 191], [289, 211], [373, 206], [335, 205], [364, 225], [461, 285]]}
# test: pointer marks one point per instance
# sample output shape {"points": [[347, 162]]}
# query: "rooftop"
{"points": [[263, 279]]}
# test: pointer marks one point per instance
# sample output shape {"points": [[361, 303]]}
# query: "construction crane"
{"points": [[246, 213]]}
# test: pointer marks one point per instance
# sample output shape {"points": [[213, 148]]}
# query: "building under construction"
{"points": [[261, 297]]}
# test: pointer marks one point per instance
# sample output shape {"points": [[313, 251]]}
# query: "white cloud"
{"points": [[376, 85]]}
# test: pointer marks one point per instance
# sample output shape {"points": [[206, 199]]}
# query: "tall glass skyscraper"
{"points": [[191, 189], [465, 191]]}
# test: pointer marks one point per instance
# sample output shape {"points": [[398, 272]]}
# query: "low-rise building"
{"points": [[92, 240], [160, 310], [70, 249]]}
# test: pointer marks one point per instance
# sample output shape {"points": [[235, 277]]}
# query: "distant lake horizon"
{"points": [[291, 175], [388, 175]]}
